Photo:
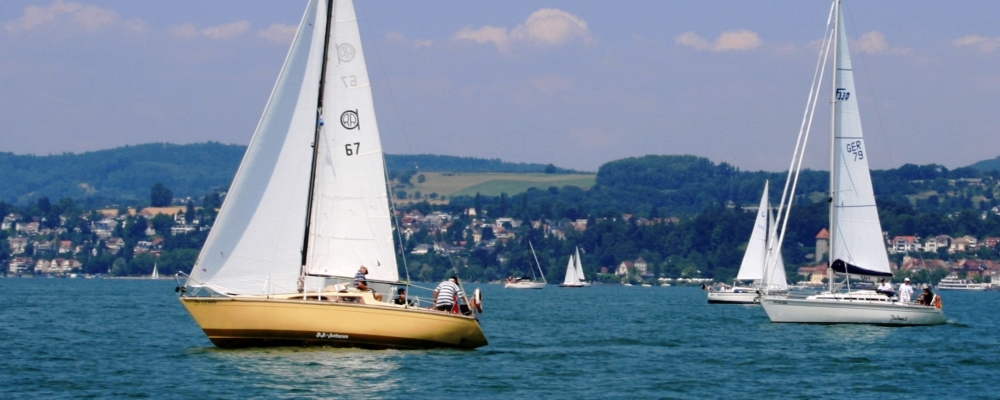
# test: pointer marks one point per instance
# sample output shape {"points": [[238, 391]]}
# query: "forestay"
{"points": [[254, 246], [857, 234]]}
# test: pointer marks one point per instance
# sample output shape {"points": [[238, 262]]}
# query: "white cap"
{"points": [[906, 280]]}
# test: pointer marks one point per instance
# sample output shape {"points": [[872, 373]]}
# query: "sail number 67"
{"points": [[352, 151], [855, 148]]}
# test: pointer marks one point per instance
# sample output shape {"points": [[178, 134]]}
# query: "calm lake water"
{"points": [[132, 339]]}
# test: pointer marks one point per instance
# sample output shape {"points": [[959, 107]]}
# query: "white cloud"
{"points": [[186, 31], [399, 39], [874, 43], [984, 44], [62, 14], [226, 31], [545, 27], [738, 40], [278, 33]]}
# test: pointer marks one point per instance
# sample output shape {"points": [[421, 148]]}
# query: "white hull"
{"points": [[970, 287], [524, 285], [850, 311], [742, 297], [575, 285]]}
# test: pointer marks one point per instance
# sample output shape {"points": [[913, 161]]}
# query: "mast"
{"points": [[833, 142], [315, 144]]}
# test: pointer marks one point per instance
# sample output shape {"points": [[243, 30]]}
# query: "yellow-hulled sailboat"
{"points": [[307, 208]]}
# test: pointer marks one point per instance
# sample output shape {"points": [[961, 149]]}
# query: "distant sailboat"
{"points": [[755, 261], [155, 275], [529, 283], [856, 247], [574, 272], [308, 207]]}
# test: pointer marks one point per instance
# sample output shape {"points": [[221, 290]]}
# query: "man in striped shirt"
{"points": [[447, 294], [361, 282]]}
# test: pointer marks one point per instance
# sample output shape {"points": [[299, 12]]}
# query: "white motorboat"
{"points": [[856, 245], [953, 283]]}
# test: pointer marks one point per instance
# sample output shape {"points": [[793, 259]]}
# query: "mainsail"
{"points": [[350, 221], [579, 267], [256, 244], [857, 246], [752, 267], [774, 270]]}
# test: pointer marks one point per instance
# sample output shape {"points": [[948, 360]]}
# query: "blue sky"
{"points": [[573, 83]]}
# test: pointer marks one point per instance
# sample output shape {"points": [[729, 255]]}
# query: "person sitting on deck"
{"points": [[926, 298], [886, 288], [361, 282], [446, 294]]}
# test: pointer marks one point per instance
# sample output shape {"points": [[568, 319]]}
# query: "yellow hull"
{"points": [[252, 321]]}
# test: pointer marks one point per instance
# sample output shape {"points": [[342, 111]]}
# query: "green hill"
{"points": [[987, 165], [125, 174]]}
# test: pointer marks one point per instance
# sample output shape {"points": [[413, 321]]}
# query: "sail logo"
{"points": [[349, 119], [323, 335], [843, 94], [345, 52]]}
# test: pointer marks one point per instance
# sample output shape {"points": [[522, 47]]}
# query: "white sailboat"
{"points": [[308, 207], [856, 247], [525, 283], [755, 259], [579, 269], [574, 272], [156, 274]]}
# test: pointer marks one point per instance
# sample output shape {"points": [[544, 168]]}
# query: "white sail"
{"points": [[571, 277], [155, 274], [350, 221], [579, 267], [857, 234], [254, 246], [752, 267], [774, 271]]}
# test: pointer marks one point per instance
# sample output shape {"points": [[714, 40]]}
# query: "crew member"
{"points": [[361, 282], [905, 291], [446, 294], [926, 298]]}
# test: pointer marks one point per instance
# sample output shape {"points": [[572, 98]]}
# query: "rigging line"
{"points": [[805, 127], [817, 80], [878, 114], [388, 85], [395, 221]]}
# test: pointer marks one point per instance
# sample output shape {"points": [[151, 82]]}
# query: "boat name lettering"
{"points": [[345, 52], [855, 148], [323, 335], [205, 301], [897, 318], [780, 302], [349, 119], [843, 94]]}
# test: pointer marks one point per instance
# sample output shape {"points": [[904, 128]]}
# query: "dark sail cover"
{"points": [[845, 268]]}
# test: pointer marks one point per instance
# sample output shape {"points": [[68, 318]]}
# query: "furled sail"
{"points": [[857, 235], [254, 246], [350, 219]]}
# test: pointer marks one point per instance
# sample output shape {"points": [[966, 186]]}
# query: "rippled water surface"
{"points": [[132, 339]]}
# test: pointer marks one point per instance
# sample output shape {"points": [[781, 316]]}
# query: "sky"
{"points": [[573, 83]]}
